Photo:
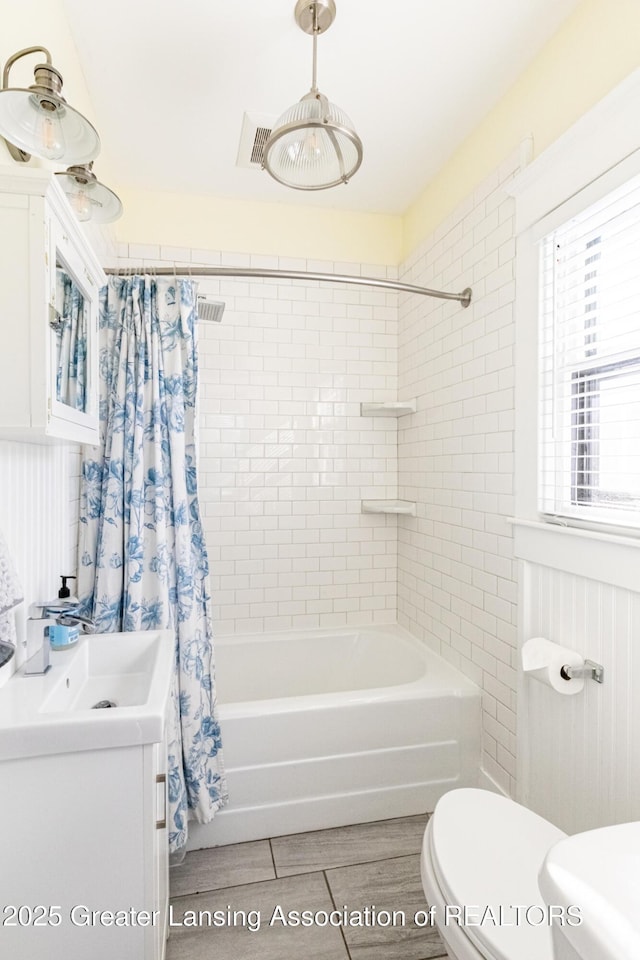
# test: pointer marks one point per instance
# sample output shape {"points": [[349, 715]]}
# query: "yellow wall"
{"points": [[594, 50], [238, 226]]}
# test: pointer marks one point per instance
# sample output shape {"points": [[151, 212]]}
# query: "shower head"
{"points": [[210, 309]]}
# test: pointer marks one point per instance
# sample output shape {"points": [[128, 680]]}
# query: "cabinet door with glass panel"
{"points": [[49, 287], [73, 322]]}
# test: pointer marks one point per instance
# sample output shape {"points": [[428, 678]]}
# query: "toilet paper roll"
{"points": [[543, 660]]}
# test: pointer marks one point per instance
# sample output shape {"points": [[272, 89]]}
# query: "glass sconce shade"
{"points": [[39, 121], [47, 127], [89, 198], [30, 126], [313, 146]]}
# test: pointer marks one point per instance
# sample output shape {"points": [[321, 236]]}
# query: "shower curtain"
{"points": [[142, 558]]}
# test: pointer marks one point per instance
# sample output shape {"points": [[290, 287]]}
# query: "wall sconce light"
{"points": [[89, 198], [313, 145], [39, 121]]}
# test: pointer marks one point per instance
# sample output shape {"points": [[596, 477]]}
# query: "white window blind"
{"points": [[589, 462]]}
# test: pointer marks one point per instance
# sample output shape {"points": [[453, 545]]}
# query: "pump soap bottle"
{"points": [[61, 636]]}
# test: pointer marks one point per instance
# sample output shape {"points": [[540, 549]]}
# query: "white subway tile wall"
{"points": [[285, 457], [456, 572]]}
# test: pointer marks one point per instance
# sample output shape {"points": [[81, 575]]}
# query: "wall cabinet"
{"points": [[49, 287]]}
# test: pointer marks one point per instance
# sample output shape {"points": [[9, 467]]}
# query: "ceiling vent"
{"points": [[256, 129]]}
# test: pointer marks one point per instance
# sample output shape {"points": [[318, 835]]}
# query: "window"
{"points": [[589, 463]]}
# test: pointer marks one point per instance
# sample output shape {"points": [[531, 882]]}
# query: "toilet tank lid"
{"points": [[486, 852], [598, 871]]}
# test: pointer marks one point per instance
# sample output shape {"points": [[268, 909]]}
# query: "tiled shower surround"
{"points": [[456, 572], [286, 458]]}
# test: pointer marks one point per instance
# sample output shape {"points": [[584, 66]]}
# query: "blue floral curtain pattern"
{"points": [[143, 561], [71, 343]]}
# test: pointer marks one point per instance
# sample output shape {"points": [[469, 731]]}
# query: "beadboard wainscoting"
{"points": [[578, 755], [39, 506]]}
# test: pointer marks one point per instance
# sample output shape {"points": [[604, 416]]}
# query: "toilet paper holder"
{"points": [[589, 670]]}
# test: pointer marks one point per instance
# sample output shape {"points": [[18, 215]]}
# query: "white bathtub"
{"points": [[322, 729]]}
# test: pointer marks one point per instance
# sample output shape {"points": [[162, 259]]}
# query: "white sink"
{"points": [[55, 713], [117, 667]]}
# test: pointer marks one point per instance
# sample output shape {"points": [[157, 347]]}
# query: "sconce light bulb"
{"points": [[81, 202], [48, 130]]}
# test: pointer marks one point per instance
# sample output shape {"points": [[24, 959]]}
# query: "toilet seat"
{"points": [[458, 944], [485, 852]]}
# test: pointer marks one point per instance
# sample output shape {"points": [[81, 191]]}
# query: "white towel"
{"points": [[11, 593]]}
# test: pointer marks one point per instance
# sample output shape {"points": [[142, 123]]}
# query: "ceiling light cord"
{"points": [[314, 68]]}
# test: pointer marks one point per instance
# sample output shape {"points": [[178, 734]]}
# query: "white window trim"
{"points": [[597, 154]]}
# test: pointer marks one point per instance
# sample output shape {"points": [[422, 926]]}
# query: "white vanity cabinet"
{"points": [[84, 854], [49, 287], [88, 874]]}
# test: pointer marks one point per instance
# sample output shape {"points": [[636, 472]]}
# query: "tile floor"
{"points": [[248, 890]]}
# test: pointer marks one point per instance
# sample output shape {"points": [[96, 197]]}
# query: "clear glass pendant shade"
{"points": [[90, 199], [45, 126], [313, 146]]}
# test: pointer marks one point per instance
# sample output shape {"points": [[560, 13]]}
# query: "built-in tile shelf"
{"points": [[406, 507], [388, 409]]}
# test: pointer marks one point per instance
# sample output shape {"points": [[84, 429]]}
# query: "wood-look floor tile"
{"points": [[339, 846], [218, 867], [389, 885], [269, 942]]}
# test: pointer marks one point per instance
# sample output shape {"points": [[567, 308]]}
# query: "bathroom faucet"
{"points": [[38, 641], [70, 619], [41, 617]]}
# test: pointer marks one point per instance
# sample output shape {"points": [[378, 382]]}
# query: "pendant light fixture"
{"points": [[39, 121], [90, 199], [313, 145]]}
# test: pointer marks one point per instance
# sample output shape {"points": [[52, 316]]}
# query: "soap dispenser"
{"points": [[64, 593], [62, 635]]}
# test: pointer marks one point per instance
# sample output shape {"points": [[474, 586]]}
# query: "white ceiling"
{"points": [[170, 83]]}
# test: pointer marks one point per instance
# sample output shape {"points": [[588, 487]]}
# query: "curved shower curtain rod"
{"points": [[464, 298]]}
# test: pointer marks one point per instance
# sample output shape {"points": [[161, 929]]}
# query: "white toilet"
{"points": [[497, 874]]}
